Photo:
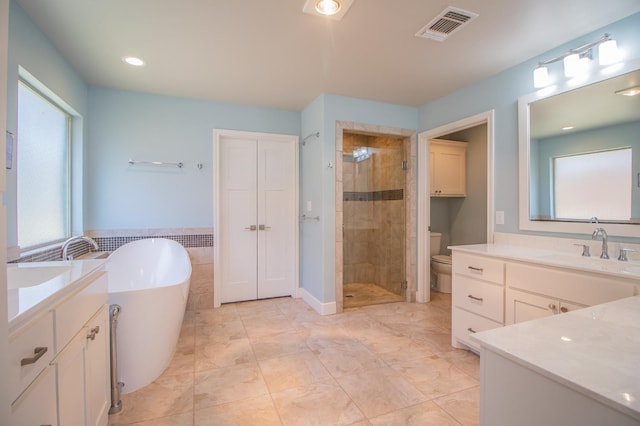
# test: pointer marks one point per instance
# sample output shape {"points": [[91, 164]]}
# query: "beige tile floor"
{"points": [[277, 362]]}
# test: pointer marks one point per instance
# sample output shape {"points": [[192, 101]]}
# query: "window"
{"points": [[579, 187], [43, 169]]}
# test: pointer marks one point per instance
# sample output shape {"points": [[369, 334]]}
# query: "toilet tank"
{"points": [[435, 243]]}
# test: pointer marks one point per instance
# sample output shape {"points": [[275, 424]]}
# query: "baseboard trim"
{"points": [[318, 306]]}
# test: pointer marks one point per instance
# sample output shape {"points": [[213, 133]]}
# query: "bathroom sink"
{"points": [[28, 275], [594, 263]]}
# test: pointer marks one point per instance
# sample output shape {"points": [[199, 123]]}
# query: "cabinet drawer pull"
{"points": [[471, 296], [473, 268], [37, 354], [564, 309], [471, 330]]}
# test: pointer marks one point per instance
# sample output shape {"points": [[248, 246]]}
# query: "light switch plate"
{"points": [[499, 217], [309, 206]]}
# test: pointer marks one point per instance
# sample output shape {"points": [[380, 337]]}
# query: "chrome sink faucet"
{"points": [[66, 244], [605, 248]]}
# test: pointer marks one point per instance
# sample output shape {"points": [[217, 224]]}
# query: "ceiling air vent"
{"points": [[446, 23]]}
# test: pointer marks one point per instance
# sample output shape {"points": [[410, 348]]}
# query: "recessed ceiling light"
{"points": [[332, 9], [132, 60], [567, 128], [328, 7], [631, 91]]}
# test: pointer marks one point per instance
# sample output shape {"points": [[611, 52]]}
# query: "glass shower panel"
{"points": [[374, 219]]}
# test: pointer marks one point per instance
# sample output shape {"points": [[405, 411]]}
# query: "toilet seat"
{"points": [[441, 258]]}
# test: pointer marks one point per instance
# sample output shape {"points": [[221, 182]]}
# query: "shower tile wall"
{"points": [[374, 217]]}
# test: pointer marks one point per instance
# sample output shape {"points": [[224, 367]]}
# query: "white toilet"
{"points": [[440, 266]]}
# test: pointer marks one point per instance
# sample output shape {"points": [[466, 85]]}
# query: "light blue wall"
{"points": [[500, 93], [132, 125], [311, 169], [32, 50]]}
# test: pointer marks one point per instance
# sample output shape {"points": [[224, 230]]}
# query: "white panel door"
{"points": [[257, 223], [276, 218], [237, 234]]}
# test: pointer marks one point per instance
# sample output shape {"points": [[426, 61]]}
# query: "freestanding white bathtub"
{"points": [[150, 281]]}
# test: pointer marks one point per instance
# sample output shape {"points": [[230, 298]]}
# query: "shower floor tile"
{"points": [[362, 294]]}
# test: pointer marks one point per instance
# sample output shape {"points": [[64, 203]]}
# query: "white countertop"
{"points": [[563, 259], [595, 350], [57, 279]]}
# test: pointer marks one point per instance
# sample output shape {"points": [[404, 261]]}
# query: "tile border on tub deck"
{"points": [[111, 240]]}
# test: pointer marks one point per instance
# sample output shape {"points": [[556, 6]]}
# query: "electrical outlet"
{"points": [[499, 217]]}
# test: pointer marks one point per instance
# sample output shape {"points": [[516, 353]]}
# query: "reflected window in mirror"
{"points": [[598, 182]]}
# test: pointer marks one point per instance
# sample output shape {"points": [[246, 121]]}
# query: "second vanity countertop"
{"points": [[595, 350], [33, 286], [563, 259]]}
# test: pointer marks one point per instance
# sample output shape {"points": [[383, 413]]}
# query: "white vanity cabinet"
{"points": [[83, 374], [60, 358], [448, 168], [477, 297], [37, 404], [534, 291]]}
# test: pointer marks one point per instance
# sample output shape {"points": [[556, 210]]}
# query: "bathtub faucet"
{"points": [[66, 244]]}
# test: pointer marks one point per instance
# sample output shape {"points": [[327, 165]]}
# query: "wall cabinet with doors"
{"points": [[256, 203], [448, 168]]}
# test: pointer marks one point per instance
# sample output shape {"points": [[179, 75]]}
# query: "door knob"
{"points": [[263, 227], [251, 228]]}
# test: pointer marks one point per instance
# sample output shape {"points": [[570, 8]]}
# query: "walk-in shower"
{"points": [[374, 193]]}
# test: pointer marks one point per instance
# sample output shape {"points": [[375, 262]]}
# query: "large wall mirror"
{"points": [[580, 156]]}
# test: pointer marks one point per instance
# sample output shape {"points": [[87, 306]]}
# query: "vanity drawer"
{"points": [[75, 311], [465, 324], [478, 267], [30, 351], [479, 297]]}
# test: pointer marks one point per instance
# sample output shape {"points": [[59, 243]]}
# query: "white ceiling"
{"points": [[271, 54]]}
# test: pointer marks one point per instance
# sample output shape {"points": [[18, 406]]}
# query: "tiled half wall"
{"points": [[197, 241]]}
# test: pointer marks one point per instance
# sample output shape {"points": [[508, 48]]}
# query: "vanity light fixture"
{"points": [[577, 61], [608, 52], [541, 77], [133, 61], [631, 91]]}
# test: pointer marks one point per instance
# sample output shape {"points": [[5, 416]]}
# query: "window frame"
{"points": [[45, 93]]}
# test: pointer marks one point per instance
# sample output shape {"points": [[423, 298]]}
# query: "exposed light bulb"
{"points": [[328, 7]]}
